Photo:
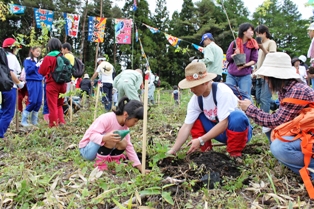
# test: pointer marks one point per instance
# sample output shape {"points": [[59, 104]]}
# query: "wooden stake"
{"points": [[145, 122], [97, 99]]}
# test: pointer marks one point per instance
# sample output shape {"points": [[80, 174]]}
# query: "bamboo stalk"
{"points": [[97, 99], [145, 121], [17, 124]]}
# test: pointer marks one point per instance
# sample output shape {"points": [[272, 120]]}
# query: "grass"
{"points": [[43, 169]]}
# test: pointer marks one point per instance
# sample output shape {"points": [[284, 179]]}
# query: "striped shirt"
{"points": [[286, 111]]}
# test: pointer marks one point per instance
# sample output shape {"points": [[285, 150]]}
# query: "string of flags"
{"points": [[96, 26]]}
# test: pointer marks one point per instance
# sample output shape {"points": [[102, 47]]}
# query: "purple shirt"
{"points": [[251, 55]]}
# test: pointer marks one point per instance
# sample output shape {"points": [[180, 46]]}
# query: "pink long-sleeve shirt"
{"points": [[104, 124]]}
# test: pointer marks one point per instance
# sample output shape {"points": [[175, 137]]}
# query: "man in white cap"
{"points": [[213, 56], [283, 79], [223, 122], [105, 71]]}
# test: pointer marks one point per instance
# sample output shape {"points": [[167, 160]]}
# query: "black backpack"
{"points": [[236, 91], [6, 82], [79, 68], [63, 71]]}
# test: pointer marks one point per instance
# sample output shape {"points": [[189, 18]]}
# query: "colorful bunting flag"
{"points": [[174, 41], [43, 17], [134, 6], [72, 24], [136, 35], [152, 29], [96, 29], [198, 48], [17, 9], [142, 50], [123, 31]]}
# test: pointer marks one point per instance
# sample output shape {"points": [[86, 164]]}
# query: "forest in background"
{"points": [[284, 20]]}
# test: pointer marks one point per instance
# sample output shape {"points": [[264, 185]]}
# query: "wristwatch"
{"points": [[201, 141]]}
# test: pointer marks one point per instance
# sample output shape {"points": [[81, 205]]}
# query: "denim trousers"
{"points": [[263, 94], [290, 154], [312, 81], [243, 82], [89, 152]]}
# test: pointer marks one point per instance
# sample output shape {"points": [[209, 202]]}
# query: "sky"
{"points": [[175, 5]]}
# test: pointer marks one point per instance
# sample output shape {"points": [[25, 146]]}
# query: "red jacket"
{"points": [[47, 66]]}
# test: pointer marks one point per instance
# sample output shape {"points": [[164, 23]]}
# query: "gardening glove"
{"points": [[21, 84]]}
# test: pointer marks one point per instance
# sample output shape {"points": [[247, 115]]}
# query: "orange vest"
{"points": [[301, 127]]}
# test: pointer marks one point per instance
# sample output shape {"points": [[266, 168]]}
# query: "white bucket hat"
{"points": [[302, 58], [86, 75], [101, 59], [278, 65], [311, 27]]}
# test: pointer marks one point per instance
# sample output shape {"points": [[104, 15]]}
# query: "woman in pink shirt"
{"points": [[99, 139]]}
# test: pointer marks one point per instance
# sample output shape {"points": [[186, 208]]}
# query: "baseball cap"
{"points": [[205, 36]]}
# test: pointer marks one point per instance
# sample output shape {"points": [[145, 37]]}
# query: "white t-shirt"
{"points": [[303, 73], [14, 64], [227, 102]]}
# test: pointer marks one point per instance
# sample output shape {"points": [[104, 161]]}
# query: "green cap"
{"points": [[122, 133]]}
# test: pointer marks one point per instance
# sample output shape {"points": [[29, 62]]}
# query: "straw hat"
{"points": [[278, 65], [195, 74], [86, 75]]}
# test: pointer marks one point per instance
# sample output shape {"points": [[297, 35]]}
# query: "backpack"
{"points": [[63, 71], [302, 128], [236, 91], [79, 68], [6, 82], [157, 81]]}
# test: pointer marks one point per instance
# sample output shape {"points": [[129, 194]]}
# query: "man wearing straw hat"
{"points": [[213, 56], [223, 122]]}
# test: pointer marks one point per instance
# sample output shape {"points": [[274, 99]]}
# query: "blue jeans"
{"points": [[312, 81], [7, 110], [243, 82], [89, 152], [263, 94], [290, 154], [237, 121]]}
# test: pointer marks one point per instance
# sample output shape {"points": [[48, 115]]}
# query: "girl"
{"points": [[34, 86], [11, 48], [244, 44], [53, 89], [100, 138]]}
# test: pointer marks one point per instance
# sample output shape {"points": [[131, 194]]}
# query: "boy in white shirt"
{"points": [[232, 128]]}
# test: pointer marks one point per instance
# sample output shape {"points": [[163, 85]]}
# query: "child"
{"points": [[175, 95], [100, 138], [53, 89], [34, 86]]}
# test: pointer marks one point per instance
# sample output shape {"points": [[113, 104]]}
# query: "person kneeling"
{"points": [[223, 122], [100, 140]]}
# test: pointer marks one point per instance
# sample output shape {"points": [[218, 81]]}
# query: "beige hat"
{"points": [[278, 65], [311, 27], [195, 74], [86, 75]]}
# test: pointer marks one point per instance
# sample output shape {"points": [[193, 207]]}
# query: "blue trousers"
{"points": [[290, 154], [45, 109], [263, 94], [90, 151], [7, 110], [35, 95], [243, 82], [237, 122]]}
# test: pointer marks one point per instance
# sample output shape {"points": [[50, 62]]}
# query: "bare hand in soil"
{"points": [[195, 145]]}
